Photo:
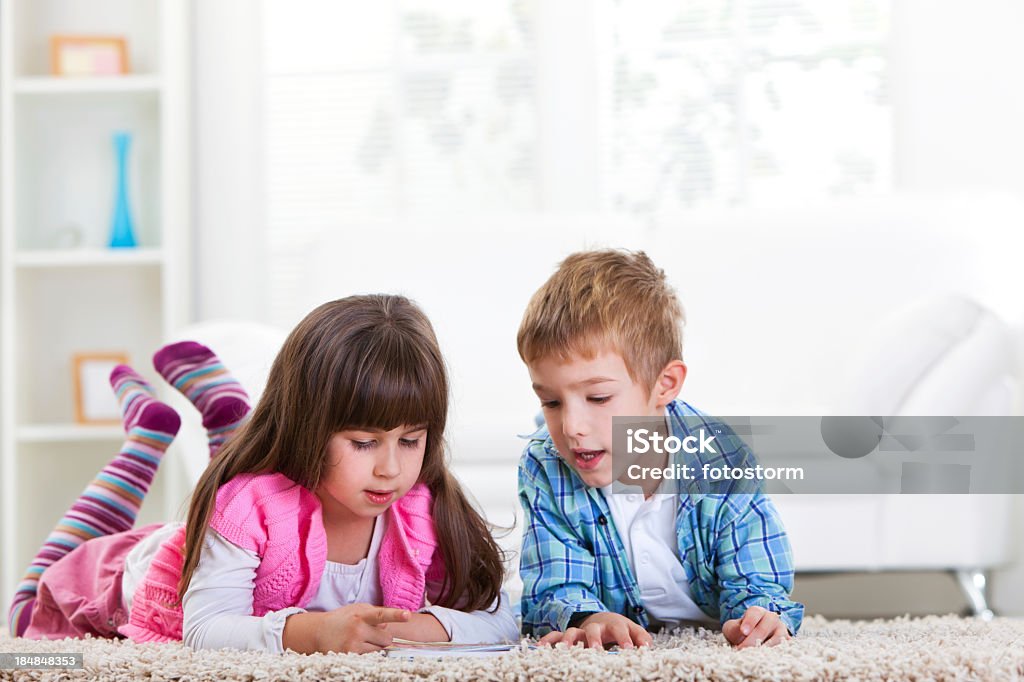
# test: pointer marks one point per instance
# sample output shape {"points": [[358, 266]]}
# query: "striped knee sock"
{"points": [[110, 504], [193, 369]]}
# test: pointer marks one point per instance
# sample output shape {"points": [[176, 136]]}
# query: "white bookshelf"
{"points": [[62, 258], [62, 289], [68, 433], [54, 85]]}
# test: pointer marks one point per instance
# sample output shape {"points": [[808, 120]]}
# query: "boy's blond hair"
{"points": [[608, 299]]}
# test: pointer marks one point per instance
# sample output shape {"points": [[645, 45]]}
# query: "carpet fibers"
{"points": [[930, 648]]}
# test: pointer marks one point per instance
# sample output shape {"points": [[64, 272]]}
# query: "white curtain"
{"points": [[414, 111]]}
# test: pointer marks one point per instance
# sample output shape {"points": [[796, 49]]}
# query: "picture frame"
{"points": [[95, 402], [82, 55]]}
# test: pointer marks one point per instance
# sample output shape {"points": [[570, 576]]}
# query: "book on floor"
{"points": [[404, 648]]}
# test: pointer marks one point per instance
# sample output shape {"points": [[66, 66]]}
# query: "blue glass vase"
{"points": [[122, 233]]}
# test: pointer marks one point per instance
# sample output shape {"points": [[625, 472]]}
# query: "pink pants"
{"points": [[81, 592]]}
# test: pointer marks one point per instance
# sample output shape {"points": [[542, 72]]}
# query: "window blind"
{"points": [[402, 109]]}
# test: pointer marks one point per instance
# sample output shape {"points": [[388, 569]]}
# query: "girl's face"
{"points": [[368, 470]]}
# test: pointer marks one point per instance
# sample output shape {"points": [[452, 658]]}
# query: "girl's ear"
{"points": [[669, 383]]}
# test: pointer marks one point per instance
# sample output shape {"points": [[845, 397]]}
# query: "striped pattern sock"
{"points": [[193, 369], [111, 502]]}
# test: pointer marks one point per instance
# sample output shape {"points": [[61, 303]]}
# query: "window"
{"points": [[418, 109], [753, 102]]}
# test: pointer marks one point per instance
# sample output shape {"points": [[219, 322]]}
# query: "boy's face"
{"points": [[579, 399]]}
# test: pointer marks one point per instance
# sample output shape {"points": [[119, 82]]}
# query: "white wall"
{"points": [[958, 109], [229, 214], [956, 94], [956, 127]]}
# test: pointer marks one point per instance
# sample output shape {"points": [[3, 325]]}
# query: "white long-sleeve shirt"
{"points": [[647, 529], [219, 597]]}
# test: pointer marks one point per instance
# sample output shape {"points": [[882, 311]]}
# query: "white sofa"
{"points": [[820, 310], [943, 356]]}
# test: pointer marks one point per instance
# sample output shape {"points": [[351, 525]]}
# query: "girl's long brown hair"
{"points": [[359, 362]]}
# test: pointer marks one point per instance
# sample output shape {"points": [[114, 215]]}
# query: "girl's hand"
{"points": [[757, 626], [421, 627], [600, 629], [357, 628]]}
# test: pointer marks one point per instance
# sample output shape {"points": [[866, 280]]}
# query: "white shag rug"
{"points": [[929, 648]]}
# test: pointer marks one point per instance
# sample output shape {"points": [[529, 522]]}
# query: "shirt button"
{"points": [[646, 558], [602, 521], [638, 610], [631, 498]]}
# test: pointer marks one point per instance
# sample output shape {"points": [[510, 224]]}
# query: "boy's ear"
{"points": [[669, 383]]}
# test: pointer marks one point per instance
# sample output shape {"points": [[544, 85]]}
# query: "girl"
{"points": [[327, 522]]}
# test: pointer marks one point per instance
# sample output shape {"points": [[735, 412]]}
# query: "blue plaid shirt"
{"points": [[733, 547]]}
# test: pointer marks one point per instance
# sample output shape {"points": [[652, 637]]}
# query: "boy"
{"points": [[602, 338]]}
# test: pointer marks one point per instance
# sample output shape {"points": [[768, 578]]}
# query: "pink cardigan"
{"points": [[282, 523]]}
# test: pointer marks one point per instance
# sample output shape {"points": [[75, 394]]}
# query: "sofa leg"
{"points": [[974, 585]]}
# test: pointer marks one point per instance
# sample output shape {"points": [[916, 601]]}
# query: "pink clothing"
{"points": [[281, 522], [80, 593]]}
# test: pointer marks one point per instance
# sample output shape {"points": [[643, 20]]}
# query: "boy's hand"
{"points": [[757, 626], [600, 629]]}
